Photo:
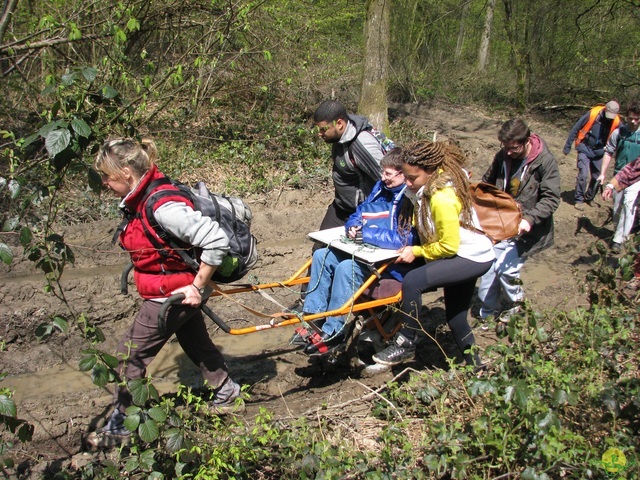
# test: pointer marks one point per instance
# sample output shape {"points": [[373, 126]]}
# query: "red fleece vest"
{"points": [[156, 275]]}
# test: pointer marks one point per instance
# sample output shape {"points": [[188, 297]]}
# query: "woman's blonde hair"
{"points": [[117, 153], [447, 162]]}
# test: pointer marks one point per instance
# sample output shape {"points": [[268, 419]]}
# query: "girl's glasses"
{"points": [[389, 175]]}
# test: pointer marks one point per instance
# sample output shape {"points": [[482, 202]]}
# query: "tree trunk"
{"points": [[7, 10], [373, 95], [464, 11], [483, 51]]}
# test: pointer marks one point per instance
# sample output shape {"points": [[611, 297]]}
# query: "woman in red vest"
{"points": [[128, 168]]}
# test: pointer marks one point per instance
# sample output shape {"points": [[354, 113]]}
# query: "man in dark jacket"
{"points": [[526, 169], [356, 156], [590, 134]]}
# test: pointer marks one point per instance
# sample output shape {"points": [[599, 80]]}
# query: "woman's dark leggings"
{"points": [[458, 277]]}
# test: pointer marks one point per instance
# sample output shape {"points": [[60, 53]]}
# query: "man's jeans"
{"points": [[335, 277], [588, 171], [624, 211], [503, 276]]}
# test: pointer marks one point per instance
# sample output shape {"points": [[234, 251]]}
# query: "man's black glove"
{"points": [[358, 238]]}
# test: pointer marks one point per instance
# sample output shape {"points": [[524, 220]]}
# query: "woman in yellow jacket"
{"points": [[455, 252]]}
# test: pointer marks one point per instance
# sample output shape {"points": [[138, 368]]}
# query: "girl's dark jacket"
{"points": [[538, 193]]}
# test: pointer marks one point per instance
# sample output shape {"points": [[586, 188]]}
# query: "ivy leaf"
{"points": [[57, 141], [7, 406], [14, 188], [480, 387], [87, 363], [6, 255], [149, 431], [560, 397], [80, 127]]}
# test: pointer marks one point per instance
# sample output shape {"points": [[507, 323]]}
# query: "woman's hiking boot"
{"points": [[113, 434]]}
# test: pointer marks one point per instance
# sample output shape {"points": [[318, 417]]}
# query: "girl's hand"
{"points": [[406, 255], [191, 295], [353, 232]]}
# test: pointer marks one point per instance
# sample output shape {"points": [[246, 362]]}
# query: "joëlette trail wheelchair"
{"points": [[368, 312]]}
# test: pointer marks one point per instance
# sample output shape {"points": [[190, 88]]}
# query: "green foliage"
{"points": [[11, 427]]}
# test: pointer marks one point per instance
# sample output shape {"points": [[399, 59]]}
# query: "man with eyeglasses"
{"points": [[526, 169], [591, 133], [356, 155], [624, 147]]}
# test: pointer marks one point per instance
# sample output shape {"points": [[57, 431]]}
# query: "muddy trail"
{"points": [[63, 404]]}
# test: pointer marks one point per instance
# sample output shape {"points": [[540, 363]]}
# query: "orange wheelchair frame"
{"points": [[362, 302]]}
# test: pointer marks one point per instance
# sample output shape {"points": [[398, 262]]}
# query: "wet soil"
{"points": [[63, 404]]}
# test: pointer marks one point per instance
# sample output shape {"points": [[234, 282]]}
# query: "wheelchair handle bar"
{"points": [[177, 298]]}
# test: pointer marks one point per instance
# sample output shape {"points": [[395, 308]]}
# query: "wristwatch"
{"points": [[200, 290]]}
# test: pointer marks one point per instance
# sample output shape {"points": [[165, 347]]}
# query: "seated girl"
{"points": [[335, 276], [456, 254]]}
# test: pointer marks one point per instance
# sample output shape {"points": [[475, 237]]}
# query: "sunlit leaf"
{"points": [[175, 440], [131, 422], [10, 224], [80, 127], [14, 188], [89, 73], [3, 183], [480, 387], [87, 363], [560, 397], [148, 431], [7, 406], [61, 323], [68, 79], [6, 255], [57, 141], [158, 414]]}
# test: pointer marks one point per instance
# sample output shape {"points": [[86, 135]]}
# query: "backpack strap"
{"points": [[175, 246]]}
